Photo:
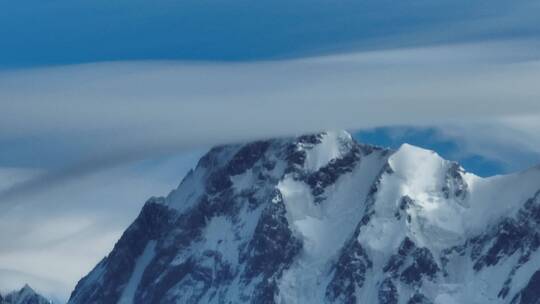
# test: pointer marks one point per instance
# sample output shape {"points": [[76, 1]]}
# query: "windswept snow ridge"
{"points": [[323, 219]]}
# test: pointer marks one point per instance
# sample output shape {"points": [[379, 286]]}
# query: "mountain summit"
{"points": [[323, 219], [26, 295]]}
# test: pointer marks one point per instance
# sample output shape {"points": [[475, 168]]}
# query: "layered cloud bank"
{"points": [[128, 111], [188, 100]]}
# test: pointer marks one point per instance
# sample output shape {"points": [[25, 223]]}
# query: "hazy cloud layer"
{"points": [[52, 238], [133, 110]]}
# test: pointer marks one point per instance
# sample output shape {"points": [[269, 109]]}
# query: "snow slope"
{"points": [[323, 219]]}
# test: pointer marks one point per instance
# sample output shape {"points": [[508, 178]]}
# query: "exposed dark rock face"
{"points": [[531, 293], [411, 264], [404, 204], [246, 157], [419, 298], [270, 251], [349, 275], [329, 174], [371, 197], [388, 293], [455, 186], [520, 234], [296, 152], [517, 236]]}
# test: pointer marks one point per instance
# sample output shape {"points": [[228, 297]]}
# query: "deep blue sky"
{"points": [[432, 139], [37, 32]]}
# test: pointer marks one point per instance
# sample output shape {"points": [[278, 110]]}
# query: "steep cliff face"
{"points": [[324, 219]]}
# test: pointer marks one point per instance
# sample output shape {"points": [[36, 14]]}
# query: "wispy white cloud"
{"points": [[135, 109], [514, 142]]}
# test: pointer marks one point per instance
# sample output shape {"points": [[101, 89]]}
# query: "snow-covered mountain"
{"points": [[26, 295], [324, 219]]}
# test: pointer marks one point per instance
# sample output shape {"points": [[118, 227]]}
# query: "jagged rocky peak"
{"points": [[26, 295], [323, 219]]}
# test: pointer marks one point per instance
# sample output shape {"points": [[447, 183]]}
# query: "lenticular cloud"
{"points": [[135, 109]]}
